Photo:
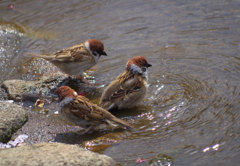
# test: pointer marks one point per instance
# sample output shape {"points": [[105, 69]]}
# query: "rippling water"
{"points": [[191, 110]]}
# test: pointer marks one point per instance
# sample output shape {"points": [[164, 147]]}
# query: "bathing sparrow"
{"points": [[81, 111], [76, 59], [129, 88]]}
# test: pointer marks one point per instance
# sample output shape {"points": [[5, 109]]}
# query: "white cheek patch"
{"points": [[87, 46], [136, 69], [65, 101], [145, 74], [94, 57]]}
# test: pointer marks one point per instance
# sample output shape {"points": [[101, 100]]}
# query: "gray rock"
{"points": [[45, 86], [18, 89], [49, 154], [12, 117]]}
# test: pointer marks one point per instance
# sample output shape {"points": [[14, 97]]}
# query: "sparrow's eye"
{"points": [[144, 69]]}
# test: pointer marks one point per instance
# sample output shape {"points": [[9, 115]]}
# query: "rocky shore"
{"points": [[49, 154], [16, 121]]}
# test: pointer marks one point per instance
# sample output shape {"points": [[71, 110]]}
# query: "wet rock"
{"points": [[19, 90], [12, 117], [3, 94], [44, 87], [16, 88], [101, 143], [49, 154], [161, 160]]}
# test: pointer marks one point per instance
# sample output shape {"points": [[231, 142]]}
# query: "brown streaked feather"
{"points": [[108, 116], [81, 107], [74, 53], [126, 75], [78, 108], [129, 83], [129, 88], [47, 57], [96, 116], [118, 95]]}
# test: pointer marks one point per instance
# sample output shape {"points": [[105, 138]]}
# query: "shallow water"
{"points": [[191, 110]]}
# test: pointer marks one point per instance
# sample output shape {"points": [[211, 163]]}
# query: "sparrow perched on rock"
{"points": [[129, 88], [76, 59], [81, 111]]}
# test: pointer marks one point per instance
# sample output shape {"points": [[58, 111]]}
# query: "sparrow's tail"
{"points": [[121, 122], [47, 57]]}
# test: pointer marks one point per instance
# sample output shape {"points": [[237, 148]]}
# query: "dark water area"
{"points": [[191, 111]]}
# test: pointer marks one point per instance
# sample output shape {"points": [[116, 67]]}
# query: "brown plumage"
{"points": [[76, 59], [129, 88], [83, 112]]}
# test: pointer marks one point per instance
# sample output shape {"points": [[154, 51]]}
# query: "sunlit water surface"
{"points": [[191, 112]]}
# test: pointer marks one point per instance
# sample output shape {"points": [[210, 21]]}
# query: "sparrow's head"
{"points": [[95, 47], [138, 65], [64, 92]]}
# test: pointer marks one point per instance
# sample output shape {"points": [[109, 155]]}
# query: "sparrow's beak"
{"points": [[103, 53], [148, 65]]}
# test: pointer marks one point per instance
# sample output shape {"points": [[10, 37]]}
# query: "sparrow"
{"points": [[81, 111], [76, 59], [129, 88]]}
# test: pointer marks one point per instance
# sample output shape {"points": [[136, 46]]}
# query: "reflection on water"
{"points": [[191, 110]]}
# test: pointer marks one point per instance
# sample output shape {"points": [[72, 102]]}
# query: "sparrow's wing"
{"points": [[96, 115], [126, 88], [83, 108], [47, 57], [72, 54]]}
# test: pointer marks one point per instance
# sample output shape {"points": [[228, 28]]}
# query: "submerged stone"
{"points": [[49, 154]]}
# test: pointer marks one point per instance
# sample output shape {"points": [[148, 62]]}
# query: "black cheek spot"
{"points": [[144, 69], [94, 53]]}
